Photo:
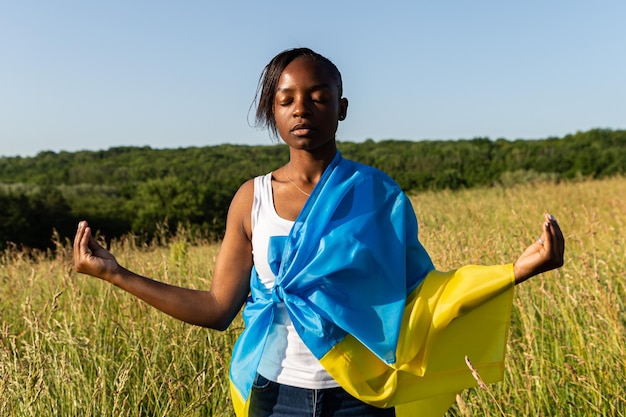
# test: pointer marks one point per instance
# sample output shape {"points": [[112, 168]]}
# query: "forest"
{"points": [[143, 191]]}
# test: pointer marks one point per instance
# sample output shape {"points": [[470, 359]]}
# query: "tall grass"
{"points": [[71, 345]]}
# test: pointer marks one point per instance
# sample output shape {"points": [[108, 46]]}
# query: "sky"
{"points": [[89, 75]]}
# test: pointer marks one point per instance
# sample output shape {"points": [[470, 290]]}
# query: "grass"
{"points": [[71, 345]]}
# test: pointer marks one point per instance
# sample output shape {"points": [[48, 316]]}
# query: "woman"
{"points": [[339, 319]]}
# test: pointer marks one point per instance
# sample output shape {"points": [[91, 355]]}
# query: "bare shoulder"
{"points": [[246, 189], [240, 210]]}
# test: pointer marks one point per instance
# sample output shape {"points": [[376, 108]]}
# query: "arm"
{"points": [[214, 308], [544, 254]]}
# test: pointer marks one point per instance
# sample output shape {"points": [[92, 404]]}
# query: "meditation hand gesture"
{"points": [[90, 257], [543, 255]]}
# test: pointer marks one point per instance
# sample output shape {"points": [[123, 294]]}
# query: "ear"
{"points": [[343, 108]]}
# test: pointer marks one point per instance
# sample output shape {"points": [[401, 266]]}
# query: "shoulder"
{"points": [[245, 192], [241, 208], [369, 173]]}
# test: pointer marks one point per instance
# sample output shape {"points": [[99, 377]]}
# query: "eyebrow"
{"points": [[316, 87]]}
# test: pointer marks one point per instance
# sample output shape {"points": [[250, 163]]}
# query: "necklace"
{"points": [[293, 182]]}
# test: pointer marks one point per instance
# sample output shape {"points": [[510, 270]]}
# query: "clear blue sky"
{"points": [[91, 75]]}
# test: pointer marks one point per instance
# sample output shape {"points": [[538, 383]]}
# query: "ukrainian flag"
{"points": [[365, 298]]}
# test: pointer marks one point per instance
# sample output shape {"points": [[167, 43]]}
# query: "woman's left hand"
{"points": [[543, 255]]}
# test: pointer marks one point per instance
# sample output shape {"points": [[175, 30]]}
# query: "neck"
{"points": [[308, 166], [306, 169]]}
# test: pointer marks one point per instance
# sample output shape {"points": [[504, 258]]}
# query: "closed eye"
{"points": [[284, 100], [320, 97]]}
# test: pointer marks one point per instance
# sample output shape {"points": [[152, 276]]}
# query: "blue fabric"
{"points": [[347, 266]]}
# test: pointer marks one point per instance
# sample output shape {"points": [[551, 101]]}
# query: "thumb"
{"points": [[93, 244]]}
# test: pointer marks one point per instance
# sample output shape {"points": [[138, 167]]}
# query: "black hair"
{"points": [[268, 83]]}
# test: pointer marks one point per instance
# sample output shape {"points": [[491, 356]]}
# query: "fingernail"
{"points": [[552, 218]]}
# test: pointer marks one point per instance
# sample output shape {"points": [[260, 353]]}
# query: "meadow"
{"points": [[71, 345]]}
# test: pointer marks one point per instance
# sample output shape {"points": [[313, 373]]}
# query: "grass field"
{"points": [[71, 345]]}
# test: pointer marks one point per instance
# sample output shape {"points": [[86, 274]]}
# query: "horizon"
{"points": [[339, 142]]}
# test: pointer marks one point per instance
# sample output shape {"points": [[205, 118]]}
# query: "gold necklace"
{"points": [[293, 182]]}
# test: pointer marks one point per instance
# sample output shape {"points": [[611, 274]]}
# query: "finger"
{"points": [[77, 236], [549, 231], [558, 234], [79, 240], [81, 250], [558, 240], [553, 228], [557, 245], [544, 238]]}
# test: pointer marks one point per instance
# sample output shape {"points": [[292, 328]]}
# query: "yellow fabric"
{"points": [[239, 403], [451, 315]]}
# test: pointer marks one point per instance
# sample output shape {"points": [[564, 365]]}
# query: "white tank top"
{"points": [[286, 359]]}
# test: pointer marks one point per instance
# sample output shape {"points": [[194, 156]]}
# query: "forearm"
{"points": [[191, 306], [519, 274]]}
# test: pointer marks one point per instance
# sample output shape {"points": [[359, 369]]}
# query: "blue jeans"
{"points": [[276, 400]]}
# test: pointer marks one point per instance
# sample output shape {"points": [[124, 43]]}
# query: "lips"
{"points": [[302, 129]]}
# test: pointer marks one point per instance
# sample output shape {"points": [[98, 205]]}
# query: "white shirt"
{"points": [[286, 359]]}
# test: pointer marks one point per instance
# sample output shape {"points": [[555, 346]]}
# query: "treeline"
{"points": [[139, 190]]}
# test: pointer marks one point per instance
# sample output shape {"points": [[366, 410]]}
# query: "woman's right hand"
{"points": [[90, 257]]}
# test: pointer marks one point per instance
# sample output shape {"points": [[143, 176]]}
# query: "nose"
{"points": [[302, 107]]}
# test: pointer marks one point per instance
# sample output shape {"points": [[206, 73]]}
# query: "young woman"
{"points": [[345, 314]]}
